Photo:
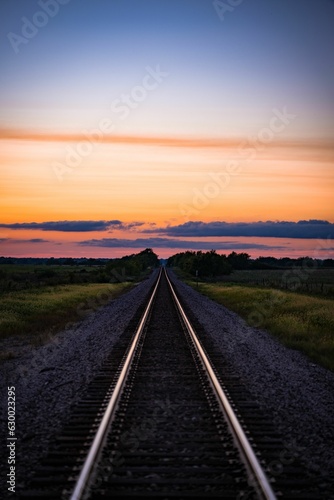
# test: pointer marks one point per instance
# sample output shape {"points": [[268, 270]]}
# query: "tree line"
{"points": [[132, 265], [210, 264]]}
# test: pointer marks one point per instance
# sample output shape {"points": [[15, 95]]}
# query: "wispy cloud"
{"points": [[173, 243], [131, 225], [308, 229], [165, 141]]}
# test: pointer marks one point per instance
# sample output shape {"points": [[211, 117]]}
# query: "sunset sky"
{"points": [[170, 124]]}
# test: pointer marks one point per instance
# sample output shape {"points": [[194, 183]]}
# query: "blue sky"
{"points": [[224, 76]]}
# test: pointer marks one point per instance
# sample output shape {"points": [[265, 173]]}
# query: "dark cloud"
{"points": [[31, 240], [309, 229], [69, 226], [36, 240], [131, 225], [173, 243]]}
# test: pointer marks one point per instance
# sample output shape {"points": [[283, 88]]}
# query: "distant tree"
{"points": [[132, 265], [205, 264], [265, 263], [69, 262], [239, 260]]}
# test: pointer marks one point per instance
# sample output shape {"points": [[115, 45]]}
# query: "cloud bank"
{"points": [[308, 229], [172, 243], [303, 229]]}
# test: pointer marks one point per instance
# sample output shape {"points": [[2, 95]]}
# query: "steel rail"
{"points": [[88, 466], [263, 485]]}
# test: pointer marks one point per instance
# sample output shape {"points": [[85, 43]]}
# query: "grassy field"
{"points": [[310, 281], [47, 309], [298, 320], [26, 277]]}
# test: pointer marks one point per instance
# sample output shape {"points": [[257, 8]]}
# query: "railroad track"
{"points": [[158, 422]]}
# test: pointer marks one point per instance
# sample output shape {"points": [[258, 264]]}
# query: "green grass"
{"points": [[299, 321], [51, 308], [16, 277], [319, 282]]}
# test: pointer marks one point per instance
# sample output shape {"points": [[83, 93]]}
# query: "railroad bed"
{"points": [[168, 433]]}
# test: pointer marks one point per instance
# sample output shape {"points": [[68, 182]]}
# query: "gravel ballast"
{"points": [[50, 379]]}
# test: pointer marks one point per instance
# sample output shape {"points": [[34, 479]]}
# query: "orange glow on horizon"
{"points": [[131, 182], [158, 180]]}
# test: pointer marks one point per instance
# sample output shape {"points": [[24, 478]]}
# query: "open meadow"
{"points": [[310, 280], [39, 300], [299, 320], [51, 308], [42, 296]]}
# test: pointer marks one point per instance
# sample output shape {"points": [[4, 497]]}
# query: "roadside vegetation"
{"points": [[291, 298], [302, 275], [318, 281], [51, 308], [28, 273], [298, 320], [42, 296]]}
